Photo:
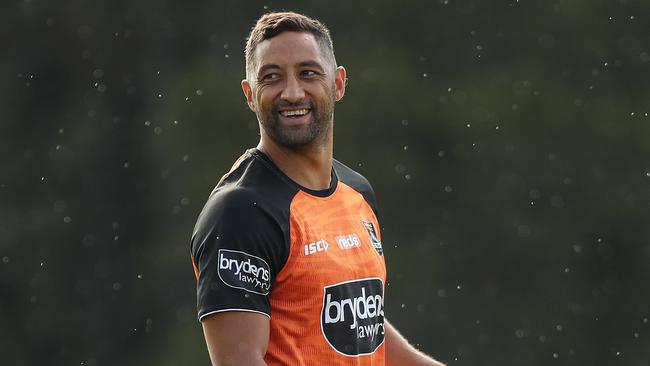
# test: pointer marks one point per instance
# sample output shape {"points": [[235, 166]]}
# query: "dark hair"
{"points": [[272, 24]]}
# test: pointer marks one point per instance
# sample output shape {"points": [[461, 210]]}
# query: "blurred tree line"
{"points": [[507, 142]]}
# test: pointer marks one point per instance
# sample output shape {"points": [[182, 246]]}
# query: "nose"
{"points": [[293, 91]]}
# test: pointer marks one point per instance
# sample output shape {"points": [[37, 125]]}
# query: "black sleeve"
{"points": [[237, 248]]}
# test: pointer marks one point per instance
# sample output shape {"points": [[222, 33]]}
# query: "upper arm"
{"points": [[400, 352], [236, 338], [237, 250]]}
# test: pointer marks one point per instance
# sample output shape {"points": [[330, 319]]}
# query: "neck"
{"points": [[309, 166]]}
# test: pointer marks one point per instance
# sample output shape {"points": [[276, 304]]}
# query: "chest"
{"points": [[333, 240]]}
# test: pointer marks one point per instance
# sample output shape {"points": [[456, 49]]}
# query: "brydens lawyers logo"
{"points": [[374, 239], [244, 271], [352, 318]]}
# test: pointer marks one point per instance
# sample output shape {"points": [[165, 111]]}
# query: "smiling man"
{"points": [[287, 251]]}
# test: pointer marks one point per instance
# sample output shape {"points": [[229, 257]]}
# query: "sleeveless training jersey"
{"points": [[310, 260]]}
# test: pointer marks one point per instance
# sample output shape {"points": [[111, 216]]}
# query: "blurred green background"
{"points": [[507, 141]]}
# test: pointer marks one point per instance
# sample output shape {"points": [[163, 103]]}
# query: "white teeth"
{"points": [[297, 112]]}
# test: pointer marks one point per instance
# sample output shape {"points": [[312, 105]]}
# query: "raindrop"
{"points": [[117, 286], [126, 164], [407, 177], [448, 189], [67, 219], [558, 327], [158, 130], [147, 123], [406, 147], [441, 153], [199, 92], [555, 355], [520, 333], [425, 75], [524, 231], [139, 276], [5, 259], [403, 306]]}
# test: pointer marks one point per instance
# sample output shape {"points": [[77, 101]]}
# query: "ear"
{"points": [[248, 93], [340, 82]]}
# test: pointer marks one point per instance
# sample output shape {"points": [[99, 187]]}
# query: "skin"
{"points": [[301, 77], [291, 74]]}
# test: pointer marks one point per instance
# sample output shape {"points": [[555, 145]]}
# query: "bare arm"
{"points": [[400, 352], [236, 338]]}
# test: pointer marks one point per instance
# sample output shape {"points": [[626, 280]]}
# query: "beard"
{"points": [[312, 134]]}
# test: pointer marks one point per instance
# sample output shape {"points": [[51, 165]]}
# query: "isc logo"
{"points": [[319, 246]]}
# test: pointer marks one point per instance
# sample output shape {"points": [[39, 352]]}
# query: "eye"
{"points": [[309, 73], [270, 77]]}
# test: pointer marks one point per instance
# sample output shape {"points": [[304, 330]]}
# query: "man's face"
{"points": [[293, 89]]}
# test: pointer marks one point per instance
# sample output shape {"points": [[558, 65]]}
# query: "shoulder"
{"points": [[249, 196], [250, 188], [351, 177], [355, 181]]}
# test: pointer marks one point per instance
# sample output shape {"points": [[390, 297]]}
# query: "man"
{"points": [[287, 250]]}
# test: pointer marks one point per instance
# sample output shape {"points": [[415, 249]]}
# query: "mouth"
{"points": [[295, 113]]}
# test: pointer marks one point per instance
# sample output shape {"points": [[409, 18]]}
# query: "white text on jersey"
{"points": [[319, 246]]}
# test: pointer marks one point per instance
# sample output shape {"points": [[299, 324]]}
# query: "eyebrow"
{"points": [[308, 63]]}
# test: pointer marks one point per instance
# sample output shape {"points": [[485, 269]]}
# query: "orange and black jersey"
{"points": [[310, 260]]}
